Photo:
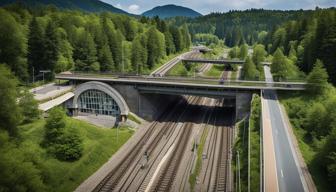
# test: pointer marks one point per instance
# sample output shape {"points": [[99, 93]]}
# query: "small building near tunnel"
{"points": [[98, 98]]}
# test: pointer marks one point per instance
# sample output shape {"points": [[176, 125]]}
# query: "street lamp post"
{"points": [[33, 76], [43, 72]]}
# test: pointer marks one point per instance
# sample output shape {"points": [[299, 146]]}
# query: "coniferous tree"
{"points": [[279, 66], [155, 47], [170, 46], [127, 54], [317, 79], [185, 37], [85, 53], [131, 29], [243, 51], [65, 60], [35, 47], [139, 55], [51, 49], [105, 58], [228, 38], [115, 41], [29, 107], [13, 45], [292, 54], [325, 42], [258, 55], [237, 37], [249, 70], [178, 39]]}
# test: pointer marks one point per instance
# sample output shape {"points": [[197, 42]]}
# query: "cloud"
{"points": [[134, 8], [118, 5]]}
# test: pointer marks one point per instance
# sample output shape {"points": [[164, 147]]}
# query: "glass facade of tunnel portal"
{"points": [[97, 102]]}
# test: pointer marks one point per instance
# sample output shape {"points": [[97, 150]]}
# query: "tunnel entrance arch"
{"points": [[99, 98]]}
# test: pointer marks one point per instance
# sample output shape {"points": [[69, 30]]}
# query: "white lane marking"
{"points": [[281, 173]]}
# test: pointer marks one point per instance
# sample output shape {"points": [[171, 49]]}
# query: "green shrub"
{"points": [[29, 107], [69, 147], [55, 125], [65, 143]]}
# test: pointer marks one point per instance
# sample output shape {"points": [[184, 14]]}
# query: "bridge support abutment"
{"points": [[243, 101], [146, 105]]}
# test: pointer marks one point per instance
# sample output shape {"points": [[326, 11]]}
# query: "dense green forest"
{"points": [[51, 39], [306, 40], [300, 44], [239, 27], [292, 40]]}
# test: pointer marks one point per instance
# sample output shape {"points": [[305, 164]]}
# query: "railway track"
{"points": [[215, 174], [160, 72], [168, 173], [113, 178], [167, 177], [129, 175], [168, 135], [222, 166]]}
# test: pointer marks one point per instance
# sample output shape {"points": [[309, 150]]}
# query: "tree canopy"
{"points": [[317, 79], [60, 40]]}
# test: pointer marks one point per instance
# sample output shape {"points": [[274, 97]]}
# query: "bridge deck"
{"points": [[213, 61], [186, 83]]}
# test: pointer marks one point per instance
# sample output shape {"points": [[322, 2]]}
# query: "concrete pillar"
{"points": [[243, 101]]}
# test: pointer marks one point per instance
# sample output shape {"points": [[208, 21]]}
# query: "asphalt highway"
{"points": [[290, 178]]}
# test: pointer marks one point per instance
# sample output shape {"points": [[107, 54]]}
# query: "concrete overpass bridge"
{"points": [[213, 61], [145, 95]]}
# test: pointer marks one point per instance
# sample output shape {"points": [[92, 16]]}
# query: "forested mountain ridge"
{"points": [[239, 27], [168, 11], [84, 5], [58, 40]]}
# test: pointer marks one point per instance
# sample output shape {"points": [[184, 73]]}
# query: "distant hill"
{"points": [[85, 5], [168, 11]]}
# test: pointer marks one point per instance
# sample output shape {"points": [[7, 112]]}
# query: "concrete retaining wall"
{"points": [[150, 105], [146, 105], [243, 102]]}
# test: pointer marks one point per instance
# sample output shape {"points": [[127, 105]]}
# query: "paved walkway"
{"points": [[106, 121], [55, 102], [50, 91]]}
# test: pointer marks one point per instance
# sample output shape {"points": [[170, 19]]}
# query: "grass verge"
{"points": [[198, 166], [245, 127], [99, 145], [166, 59], [215, 71]]}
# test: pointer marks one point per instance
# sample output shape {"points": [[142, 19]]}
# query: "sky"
{"points": [[208, 6]]}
